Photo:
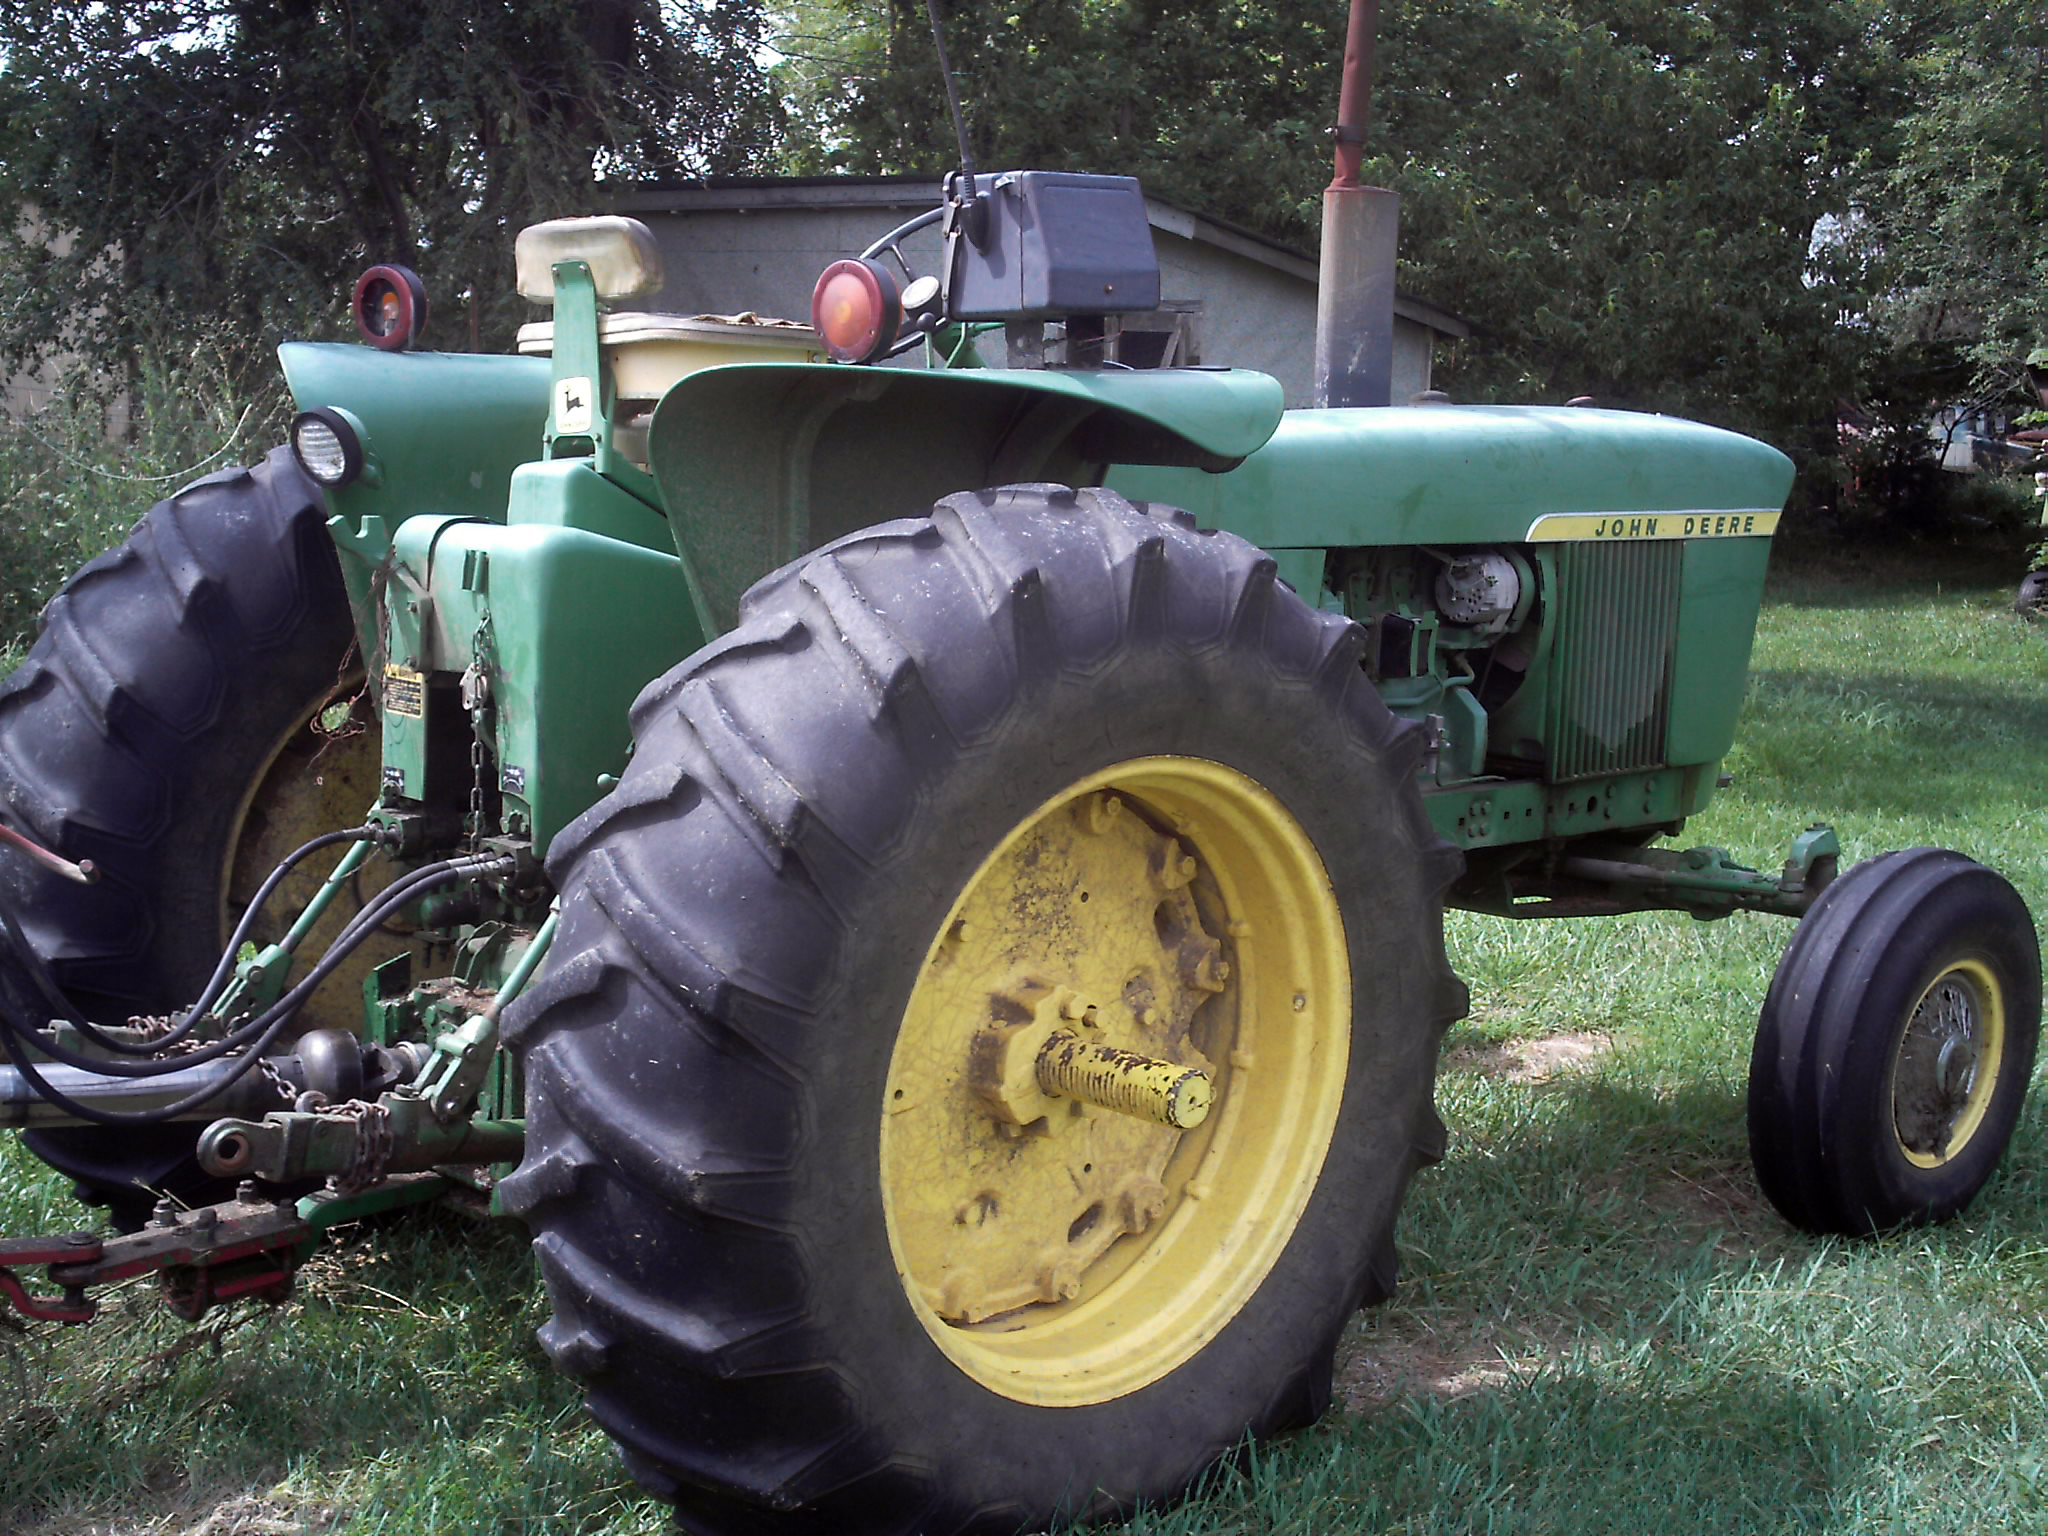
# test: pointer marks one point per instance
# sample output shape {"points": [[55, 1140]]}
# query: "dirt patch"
{"points": [[1711, 1196], [1382, 1365], [1688, 1204], [247, 1515], [1529, 1061]]}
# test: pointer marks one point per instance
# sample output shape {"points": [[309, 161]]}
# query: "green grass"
{"points": [[1601, 1327]]}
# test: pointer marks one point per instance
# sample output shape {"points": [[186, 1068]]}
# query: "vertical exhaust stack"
{"points": [[1355, 289]]}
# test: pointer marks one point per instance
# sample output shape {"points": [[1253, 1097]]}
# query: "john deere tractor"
{"points": [[922, 887]]}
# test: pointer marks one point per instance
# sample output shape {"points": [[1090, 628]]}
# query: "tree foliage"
{"points": [[224, 167], [1620, 195], [1955, 227]]}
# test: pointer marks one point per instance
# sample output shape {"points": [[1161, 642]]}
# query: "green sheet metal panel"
{"points": [[443, 430], [760, 462], [1471, 474], [578, 624], [1723, 588]]}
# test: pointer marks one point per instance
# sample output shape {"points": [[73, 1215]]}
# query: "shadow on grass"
{"points": [[1603, 1327]]}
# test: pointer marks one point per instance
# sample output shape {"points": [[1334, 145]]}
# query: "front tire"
{"points": [[823, 1256], [1896, 1045], [2031, 601]]}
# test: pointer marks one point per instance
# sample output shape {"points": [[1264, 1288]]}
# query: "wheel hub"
{"points": [[1107, 1074], [1947, 1064]]}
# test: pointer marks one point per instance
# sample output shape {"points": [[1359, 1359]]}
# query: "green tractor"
{"points": [[923, 888]]}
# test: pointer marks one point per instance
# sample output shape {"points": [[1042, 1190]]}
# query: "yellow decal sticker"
{"points": [[575, 406], [405, 692], [1563, 527]]}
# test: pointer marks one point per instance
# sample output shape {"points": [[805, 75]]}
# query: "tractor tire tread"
{"points": [[691, 1135], [161, 673]]}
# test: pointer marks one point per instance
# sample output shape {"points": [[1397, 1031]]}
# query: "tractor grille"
{"points": [[1616, 618]]}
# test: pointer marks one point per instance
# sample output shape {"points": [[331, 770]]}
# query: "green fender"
{"points": [[444, 430], [760, 462]]}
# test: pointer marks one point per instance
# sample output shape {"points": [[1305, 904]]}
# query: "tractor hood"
{"points": [[760, 462], [1471, 474]]}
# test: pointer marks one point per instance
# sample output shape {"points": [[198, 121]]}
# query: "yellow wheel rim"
{"points": [[1060, 1252], [1947, 1065], [319, 776]]}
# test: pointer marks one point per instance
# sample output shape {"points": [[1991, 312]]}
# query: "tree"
{"points": [[1955, 228], [1624, 199], [1621, 195], [223, 167]]}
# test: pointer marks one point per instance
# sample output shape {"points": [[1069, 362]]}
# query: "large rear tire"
{"points": [[1896, 1045], [823, 1253], [164, 727]]}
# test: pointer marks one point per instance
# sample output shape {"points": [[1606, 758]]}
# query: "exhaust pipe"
{"points": [[1355, 285]]}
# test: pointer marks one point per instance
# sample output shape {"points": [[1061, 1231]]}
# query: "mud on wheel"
{"points": [[992, 1029], [161, 726], [1895, 1046]]}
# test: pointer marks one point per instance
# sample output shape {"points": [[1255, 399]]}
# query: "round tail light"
{"points": [[390, 306], [856, 311]]}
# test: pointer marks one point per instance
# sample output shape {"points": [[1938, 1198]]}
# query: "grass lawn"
{"points": [[1601, 1327]]}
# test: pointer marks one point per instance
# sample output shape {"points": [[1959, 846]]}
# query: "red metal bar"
{"points": [[83, 871], [206, 1256], [1354, 100]]}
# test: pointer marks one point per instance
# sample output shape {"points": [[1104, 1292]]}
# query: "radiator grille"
{"points": [[1616, 617]]}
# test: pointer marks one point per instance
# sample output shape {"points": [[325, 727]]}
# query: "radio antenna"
{"points": [[931, 9]]}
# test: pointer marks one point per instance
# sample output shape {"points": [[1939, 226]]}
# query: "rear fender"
{"points": [[443, 431], [760, 463]]}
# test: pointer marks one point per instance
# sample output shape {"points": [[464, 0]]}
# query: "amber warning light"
{"points": [[856, 311]]}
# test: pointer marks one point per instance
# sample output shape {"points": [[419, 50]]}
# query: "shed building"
{"points": [[1228, 296]]}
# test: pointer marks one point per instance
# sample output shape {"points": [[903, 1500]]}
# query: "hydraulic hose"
{"points": [[62, 1008], [383, 905], [258, 1034], [219, 980]]}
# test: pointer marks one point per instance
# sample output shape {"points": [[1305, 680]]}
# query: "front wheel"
{"points": [[855, 1161], [2031, 601], [1896, 1044]]}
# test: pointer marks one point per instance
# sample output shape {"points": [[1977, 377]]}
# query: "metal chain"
{"points": [[152, 1026], [476, 684], [276, 1079], [374, 1144]]}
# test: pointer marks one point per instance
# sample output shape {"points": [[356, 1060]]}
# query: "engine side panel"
{"points": [[1565, 597]]}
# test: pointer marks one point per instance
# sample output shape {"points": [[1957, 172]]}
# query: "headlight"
{"points": [[328, 444]]}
